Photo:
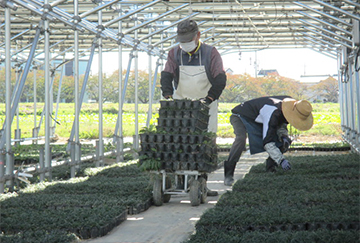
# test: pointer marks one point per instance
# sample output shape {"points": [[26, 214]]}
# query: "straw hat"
{"points": [[298, 113]]}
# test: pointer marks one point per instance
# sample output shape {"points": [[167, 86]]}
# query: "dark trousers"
{"points": [[238, 146]]}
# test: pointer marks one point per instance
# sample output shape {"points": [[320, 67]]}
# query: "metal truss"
{"points": [[244, 25]]}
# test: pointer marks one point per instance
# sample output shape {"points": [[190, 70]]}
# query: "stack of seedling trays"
{"points": [[180, 140]]}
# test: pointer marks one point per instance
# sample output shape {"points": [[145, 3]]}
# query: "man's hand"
{"points": [[286, 143], [168, 97], [207, 100], [285, 164]]}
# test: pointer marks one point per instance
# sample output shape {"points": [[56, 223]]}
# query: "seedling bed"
{"points": [[319, 198], [84, 207]]}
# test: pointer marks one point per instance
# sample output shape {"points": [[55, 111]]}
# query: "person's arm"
{"points": [[270, 116], [217, 86], [167, 75], [166, 84], [282, 131], [219, 77], [274, 152], [283, 136]]}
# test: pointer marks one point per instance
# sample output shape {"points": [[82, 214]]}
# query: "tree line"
{"points": [[239, 88]]}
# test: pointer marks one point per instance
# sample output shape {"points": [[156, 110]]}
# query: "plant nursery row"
{"points": [[85, 207], [30, 154], [317, 201]]}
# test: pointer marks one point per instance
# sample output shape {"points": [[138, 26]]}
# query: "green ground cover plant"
{"points": [[63, 211], [317, 201], [326, 119]]}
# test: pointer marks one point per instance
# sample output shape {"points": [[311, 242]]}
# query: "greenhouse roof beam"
{"points": [[325, 23], [154, 19], [327, 37], [107, 24], [324, 14], [167, 27], [337, 9], [98, 8], [325, 30]]}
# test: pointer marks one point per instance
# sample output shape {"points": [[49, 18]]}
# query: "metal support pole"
{"points": [[59, 91], [17, 136], [98, 158], [76, 80], [42, 163], [8, 120], [72, 159], [358, 109], [2, 171], [83, 89], [136, 70], [100, 76], [43, 113], [341, 92], [17, 131], [47, 95], [152, 90], [35, 133], [119, 135], [150, 96], [352, 102], [119, 149], [160, 57], [158, 63], [131, 56], [12, 110]]}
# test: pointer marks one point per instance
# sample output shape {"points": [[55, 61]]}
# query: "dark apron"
{"points": [[255, 131]]}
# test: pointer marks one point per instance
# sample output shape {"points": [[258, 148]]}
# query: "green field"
{"points": [[326, 119]]}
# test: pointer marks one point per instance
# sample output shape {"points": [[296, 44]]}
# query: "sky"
{"points": [[291, 63]]}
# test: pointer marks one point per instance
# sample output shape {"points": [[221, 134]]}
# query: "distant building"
{"points": [[314, 79], [69, 70], [69, 66], [266, 72], [310, 80], [229, 71]]}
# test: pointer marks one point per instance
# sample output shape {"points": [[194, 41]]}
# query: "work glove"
{"points": [[285, 164], [286, 143], [206, 100]]}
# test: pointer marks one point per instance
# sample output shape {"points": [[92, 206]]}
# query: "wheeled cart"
{"points": [[193, 184], [180, 149]]}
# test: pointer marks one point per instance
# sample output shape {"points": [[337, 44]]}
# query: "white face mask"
{"points": [[188, 46]]}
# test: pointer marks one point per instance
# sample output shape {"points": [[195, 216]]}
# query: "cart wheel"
{"points": [[158, 195], [203, 190], [195, 193], [167, 186]]}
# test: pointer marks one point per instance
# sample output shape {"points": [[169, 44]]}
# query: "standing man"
{"points": [[194, 70], [265, 121]]}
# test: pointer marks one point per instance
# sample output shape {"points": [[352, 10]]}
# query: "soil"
{"points": [[318, 139], [299, 139]]}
